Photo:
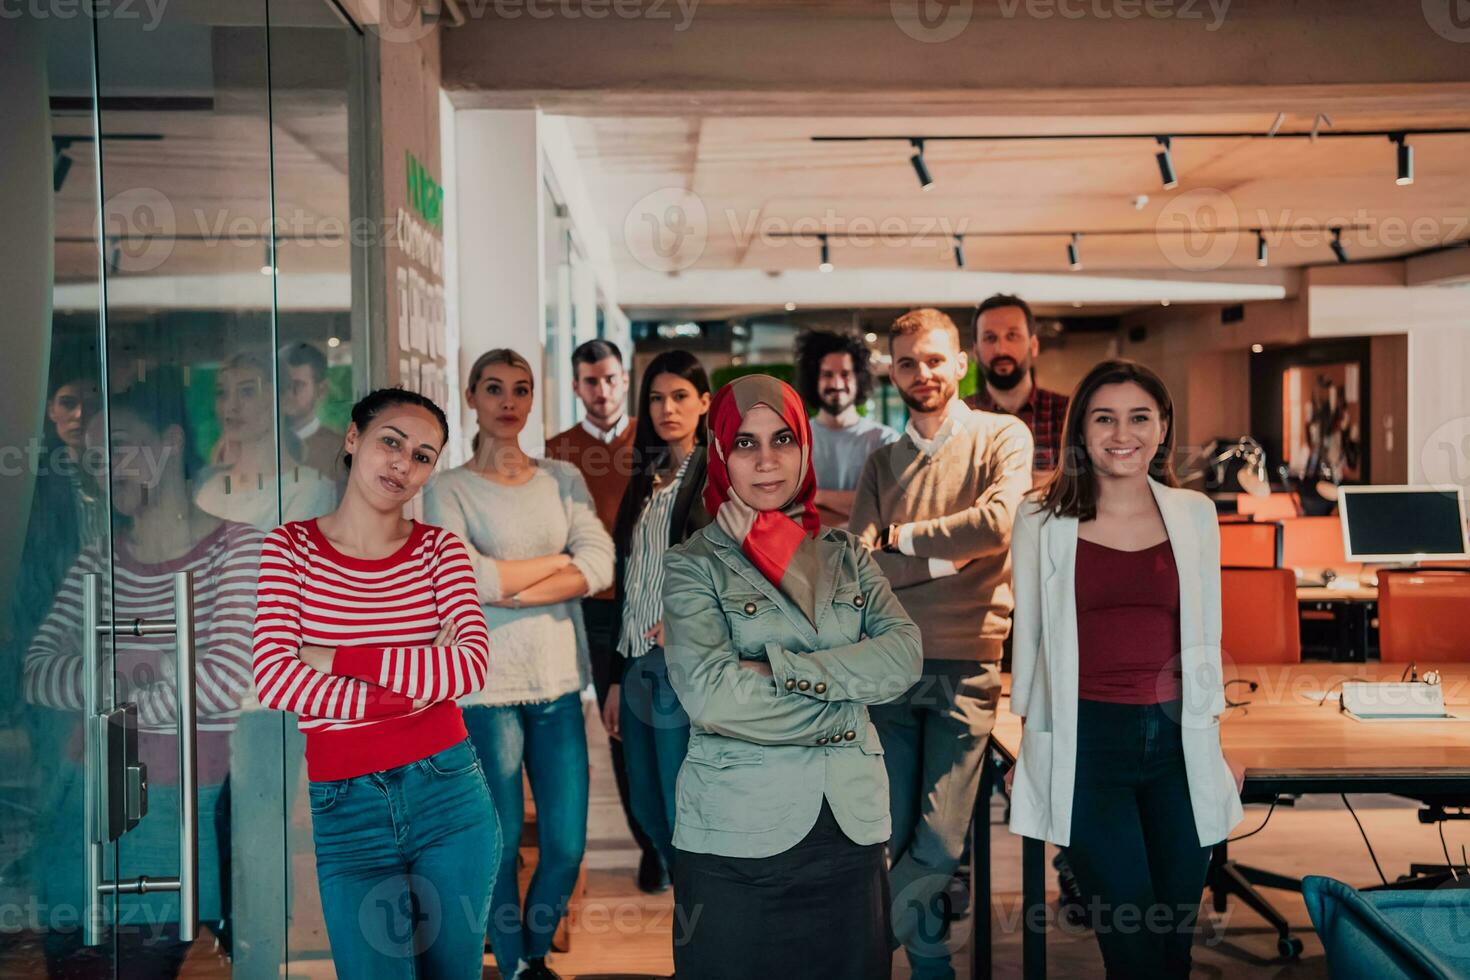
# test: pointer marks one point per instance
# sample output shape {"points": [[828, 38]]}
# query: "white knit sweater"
{"points": [[537, 653]]}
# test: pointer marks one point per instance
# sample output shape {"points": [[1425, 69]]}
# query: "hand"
{"points": [[610, 709], [757, 666], [447, 636], [563, 560], [1010, 778], [656, 633], [1238, 771], [317, 658]]}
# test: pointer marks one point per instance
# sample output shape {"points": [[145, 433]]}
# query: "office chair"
{"points": [[1390, 934], [1422, 616], [1259, 626]]}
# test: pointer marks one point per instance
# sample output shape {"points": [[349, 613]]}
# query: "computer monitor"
{"points": [[1403, 524]]}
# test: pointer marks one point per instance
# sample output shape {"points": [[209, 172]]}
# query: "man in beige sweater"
{"points": [[937, 507]]}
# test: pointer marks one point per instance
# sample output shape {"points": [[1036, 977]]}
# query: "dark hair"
{"points": [[372, 405], [160, 400], [1072, 489], [814, 345], [650, 451], [592, 351], [922, 321], [999, 302], [299, 354]]}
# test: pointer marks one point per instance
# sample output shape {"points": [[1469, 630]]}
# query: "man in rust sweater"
{"points": [[937, 506], [601, 446]]}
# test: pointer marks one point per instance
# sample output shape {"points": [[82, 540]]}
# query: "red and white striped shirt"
{"points": [[378, 614], [224, 564]]}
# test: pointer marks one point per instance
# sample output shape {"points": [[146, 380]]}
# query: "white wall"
{"points": [[496, 165]]}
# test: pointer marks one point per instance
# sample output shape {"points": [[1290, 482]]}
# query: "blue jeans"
{"points": [[405, 859], [550, 738], [655, 740]]}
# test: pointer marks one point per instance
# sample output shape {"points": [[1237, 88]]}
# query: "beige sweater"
{"points": [[961, 501]]}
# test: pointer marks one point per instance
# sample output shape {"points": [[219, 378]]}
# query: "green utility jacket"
{"points": [[764, 751]]}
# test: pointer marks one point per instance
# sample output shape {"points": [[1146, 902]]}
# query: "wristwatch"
{"points": [[888, 541]]}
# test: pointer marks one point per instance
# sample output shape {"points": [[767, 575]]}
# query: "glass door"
{"points": [[180, 345]]}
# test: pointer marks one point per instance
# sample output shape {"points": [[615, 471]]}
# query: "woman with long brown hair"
{"points": [[1116, 673]]}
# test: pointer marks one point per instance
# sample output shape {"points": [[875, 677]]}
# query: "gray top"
{"points": [[838, 455], [537, 653]]}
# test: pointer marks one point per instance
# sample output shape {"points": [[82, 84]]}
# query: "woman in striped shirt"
{"points": [[660, 508], [160, 532], [368, 628]]}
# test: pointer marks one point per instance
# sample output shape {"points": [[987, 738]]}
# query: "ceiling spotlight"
{"points": [[920, 168], [1074, 258], [1163, 302], [870, 337], [1257, 349], [826, 265], [959, 251], [1406, 160], [1337, 247], [790, 307], [1261, 257], [1165, 157], [1076, 304]]}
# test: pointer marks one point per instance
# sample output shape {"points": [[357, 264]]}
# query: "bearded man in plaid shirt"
{"points": [[1006, 347]]}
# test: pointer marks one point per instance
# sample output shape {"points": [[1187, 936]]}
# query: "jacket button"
{"points": [[859, 600], [822, 740], [820, 688], [849, 736], [803, 685], [750, 609], [790, 683]]}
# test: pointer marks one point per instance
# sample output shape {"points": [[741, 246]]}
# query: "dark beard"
{"points": [[834, 405], [1004, 382]]}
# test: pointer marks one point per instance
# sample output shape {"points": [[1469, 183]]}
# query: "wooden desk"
{"points": [[1288, 744]]}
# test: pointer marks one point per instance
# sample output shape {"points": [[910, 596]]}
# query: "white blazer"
{"points": [[1044, 666]]}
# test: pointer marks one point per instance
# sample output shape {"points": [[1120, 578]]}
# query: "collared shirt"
{"points": [[605, 436], [643, 590], [958, 411], [309, 429], [1044, 414]]}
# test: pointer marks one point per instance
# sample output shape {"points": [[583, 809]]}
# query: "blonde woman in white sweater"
{"points": [[538, 548]]}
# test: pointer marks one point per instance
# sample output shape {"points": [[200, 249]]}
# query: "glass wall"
{"points": [[190, 362]]}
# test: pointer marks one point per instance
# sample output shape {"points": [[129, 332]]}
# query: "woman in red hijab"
{"points": [[778, 635]]}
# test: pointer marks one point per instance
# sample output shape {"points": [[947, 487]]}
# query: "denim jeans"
{"points": [[1134, 849], [405, 859], [934, 740], [655, 740], [550, 739]]}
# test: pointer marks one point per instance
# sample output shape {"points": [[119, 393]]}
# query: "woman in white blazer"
{"points": [[1116, 673]]}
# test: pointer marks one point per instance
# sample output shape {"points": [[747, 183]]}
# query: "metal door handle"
{"points": [[115, 784]]}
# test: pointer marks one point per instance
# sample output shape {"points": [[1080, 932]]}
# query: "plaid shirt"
{"points": [[1044, 414]]}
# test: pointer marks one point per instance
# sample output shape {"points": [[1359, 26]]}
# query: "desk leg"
{"points": [[980, 950], [1033, 908]]}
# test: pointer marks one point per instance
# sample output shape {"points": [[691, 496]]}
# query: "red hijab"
{"points": [[780, 543]]}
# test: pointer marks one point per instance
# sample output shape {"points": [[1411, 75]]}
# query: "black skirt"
{"points": [[818, 911]]}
